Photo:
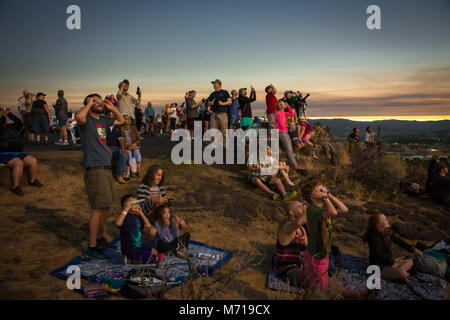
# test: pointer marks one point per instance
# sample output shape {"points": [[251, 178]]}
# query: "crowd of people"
{"points": [[111, 130]]}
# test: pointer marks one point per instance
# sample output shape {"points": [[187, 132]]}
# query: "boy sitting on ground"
{"points": [[263, 175], [131, 223]]}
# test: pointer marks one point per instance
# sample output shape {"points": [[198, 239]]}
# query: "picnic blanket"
{"points": [[352, 274], [113, 267]]}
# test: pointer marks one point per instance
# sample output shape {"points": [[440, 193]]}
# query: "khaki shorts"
{"points": [[99, 188]]}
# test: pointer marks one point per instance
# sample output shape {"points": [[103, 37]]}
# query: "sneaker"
{"points": [[59, 143], [94, 253], [17, 191], [290, 196], [275, 196], [65, 143], [120, 180], [36, 183], [133, 175], [103, 244]]}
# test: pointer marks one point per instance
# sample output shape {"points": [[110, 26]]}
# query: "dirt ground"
{"points": [[48, 227]]}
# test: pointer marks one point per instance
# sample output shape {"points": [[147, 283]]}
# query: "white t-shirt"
{"points": [[174, 112], [370, 137]]}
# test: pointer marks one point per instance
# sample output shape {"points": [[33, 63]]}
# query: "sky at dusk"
{"points": [[169, 47]]}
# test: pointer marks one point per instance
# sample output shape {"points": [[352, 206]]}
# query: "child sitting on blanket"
{"points": [[168, 228], [132, 222]]}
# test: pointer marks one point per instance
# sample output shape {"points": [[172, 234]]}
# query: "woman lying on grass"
{"points": [[168, 239], [379, 237]]}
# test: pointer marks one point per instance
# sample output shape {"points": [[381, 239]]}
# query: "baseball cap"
{"points": [[217, 80], [287, 92], [40, 94], [242, 89]]}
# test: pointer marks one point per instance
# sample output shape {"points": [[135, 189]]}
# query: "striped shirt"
{"points": [[149, 194], [290, 256]]}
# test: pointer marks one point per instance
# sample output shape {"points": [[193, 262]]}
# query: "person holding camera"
{"points": [[127, 102], [41, 118], [192, 110], [98, 178], [219, 101], [246, 108], [11, 155]]}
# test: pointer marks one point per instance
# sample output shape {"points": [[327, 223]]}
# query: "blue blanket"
{"points": [[113, 266], [352, 274]]}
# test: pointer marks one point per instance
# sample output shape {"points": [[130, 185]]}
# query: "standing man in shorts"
{"points": [[219, 101], [61, 110], [98, 179]]}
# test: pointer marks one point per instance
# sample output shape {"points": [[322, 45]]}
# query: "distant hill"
{"points": [[343, 127]]}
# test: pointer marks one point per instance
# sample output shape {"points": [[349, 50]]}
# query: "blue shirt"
{"points": [[113, 135], [131, 235], [149, 112], [93, 141], [234, 108]]}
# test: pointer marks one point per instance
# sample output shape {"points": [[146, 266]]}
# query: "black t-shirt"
{"points": [[131, 235], [354, 136], [191, 113], [38, 107], [217, 96]]}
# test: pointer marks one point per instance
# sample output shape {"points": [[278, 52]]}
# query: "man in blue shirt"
{"points": [[234, 110], [98, 179], [150, 119], [114, 140]]}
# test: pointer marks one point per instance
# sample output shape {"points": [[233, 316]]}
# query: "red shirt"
{"points": [[271, 102]]}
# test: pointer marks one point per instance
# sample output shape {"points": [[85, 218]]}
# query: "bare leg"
{"points": [[261, 185], [17, 170], [286, 178], [102, 223], [277, 182], [38, 137], [399, 271], [94, 223], [64, 131], [32, 165], [138, 168]]}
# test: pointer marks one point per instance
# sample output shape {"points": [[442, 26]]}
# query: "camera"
{"points": [[4, 109]]}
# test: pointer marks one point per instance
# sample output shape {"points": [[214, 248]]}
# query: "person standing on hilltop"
{"points": [[233, 114], [371, 136], [41, 118], [61, 110], [271, 103], [127, 102], [353, 140], [24, 107], [192, 110], [98, 178], [149, 119], [246, 108], [219, 101]]}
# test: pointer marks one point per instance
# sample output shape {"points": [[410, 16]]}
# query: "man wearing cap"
{"points": [[245, 107], [41, 118], [271, 103], [127, 102], [219, 101]]}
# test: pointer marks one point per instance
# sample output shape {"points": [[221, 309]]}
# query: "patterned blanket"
{"points": [[352, 273], [113, 267]]}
